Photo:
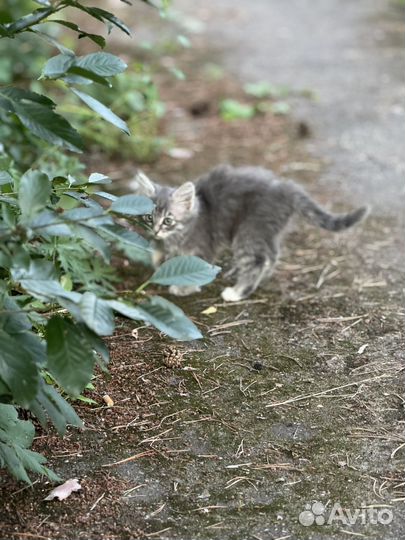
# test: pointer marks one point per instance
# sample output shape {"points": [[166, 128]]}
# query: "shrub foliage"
{"points": [[57, 296]]}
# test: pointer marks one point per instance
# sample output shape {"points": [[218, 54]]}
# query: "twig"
{"points": [[215, 525], [353, 533], [229, 325], [233, 481], [31, 535], [293, 359], [243, 303], [309, 396], [24, 488], [157, 511], [128, 491], [207, 508], [96, 503], [131, 458], [341, 319], [150, 535], [396, 450]]}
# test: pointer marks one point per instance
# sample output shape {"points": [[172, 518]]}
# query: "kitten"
{"points": [[244, 208]]}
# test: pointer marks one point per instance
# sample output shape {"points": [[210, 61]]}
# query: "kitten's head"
{"points": [[174, 207]]}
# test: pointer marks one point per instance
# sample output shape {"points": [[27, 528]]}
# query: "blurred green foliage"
{"points": [[135, 98]]}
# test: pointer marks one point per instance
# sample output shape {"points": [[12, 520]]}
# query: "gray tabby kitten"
{"points": [[244, 208]]}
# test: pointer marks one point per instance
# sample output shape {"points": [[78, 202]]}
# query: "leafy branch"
{"points": [[57, 296]]}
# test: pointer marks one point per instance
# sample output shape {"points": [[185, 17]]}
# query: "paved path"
{"points": [[351, 55]]}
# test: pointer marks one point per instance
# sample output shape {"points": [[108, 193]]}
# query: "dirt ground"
{"points": [[294, 396]]}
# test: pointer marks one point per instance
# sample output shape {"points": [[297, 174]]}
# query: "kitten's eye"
{"points": [[148, 218], [168, 221]]}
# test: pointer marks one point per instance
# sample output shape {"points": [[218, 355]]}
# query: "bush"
{"points": [[57, 296]]}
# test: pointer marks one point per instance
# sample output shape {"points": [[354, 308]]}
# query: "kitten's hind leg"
{"points": [[251, 270]]}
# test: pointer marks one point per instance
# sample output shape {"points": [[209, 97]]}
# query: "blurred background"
{"points": [[315, 90], [309, 88]]}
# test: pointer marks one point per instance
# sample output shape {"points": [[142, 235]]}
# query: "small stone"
{"points": [[258, 366]]}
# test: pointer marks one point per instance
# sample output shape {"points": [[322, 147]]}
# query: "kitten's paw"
{"points": [[230, 295], [183, 291]]}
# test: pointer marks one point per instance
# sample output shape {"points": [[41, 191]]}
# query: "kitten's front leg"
{"points": [[158, 257], [159, 254], [183, 291]]}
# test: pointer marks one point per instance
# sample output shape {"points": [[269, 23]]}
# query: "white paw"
{"points": [[230, 295], [157, 257], [183, 291]]}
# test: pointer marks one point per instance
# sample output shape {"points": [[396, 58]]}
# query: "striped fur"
{"points": [[245, 209]]}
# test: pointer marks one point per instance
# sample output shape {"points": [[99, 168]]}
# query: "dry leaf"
{"points": [[209, 311], [108, 401], [64, 490]]}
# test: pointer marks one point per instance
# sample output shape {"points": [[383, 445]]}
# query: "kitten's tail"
{"points": [[316, 215]]}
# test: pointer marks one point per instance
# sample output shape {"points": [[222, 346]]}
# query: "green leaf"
{"points": [[260, 89], [102, 15], [98, 345], [5, 260], [102, 110], [169, 318], [93, 240], [49, 405], [105, 195], [185, 270], [84, 199], [101, 63], [23, 435], [127, 310], [49, 223], [4, 31], [53, 42], [97, 314], [15, 95], [91, 217], [8, 200], [40, 280], [5, 178], [84, 76], [232, 109], [15, 437], [48, 125], [18, 370], [99, 178], [57, 66], [99, 40], [36, 114], [70, 357], [280, 108], [184, 41], [164, 315], [132, 205], [12, 319], [94, 37], [16, 323], [131, 243], [29, 20], [33, 194]]}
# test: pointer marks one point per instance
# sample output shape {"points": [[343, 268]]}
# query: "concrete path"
{"points": [[352, 56]]}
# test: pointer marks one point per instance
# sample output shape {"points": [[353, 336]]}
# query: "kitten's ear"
{"points": [[183, 199], [141, 185]]}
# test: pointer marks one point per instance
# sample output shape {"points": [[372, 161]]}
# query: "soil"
{"points": [[292, 397]]}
